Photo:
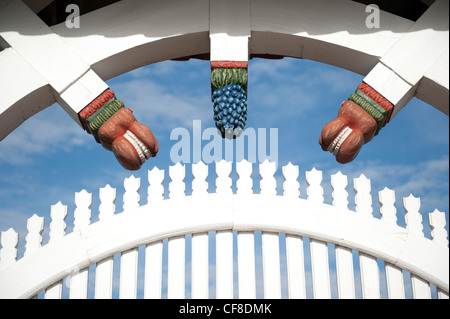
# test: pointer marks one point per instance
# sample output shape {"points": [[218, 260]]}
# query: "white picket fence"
{"points": [[387, 254]]}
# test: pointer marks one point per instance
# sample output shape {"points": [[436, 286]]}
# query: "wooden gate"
{"points": [[209, 244]]}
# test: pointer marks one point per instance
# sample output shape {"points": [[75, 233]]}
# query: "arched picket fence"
{"points": [[214, 234]]}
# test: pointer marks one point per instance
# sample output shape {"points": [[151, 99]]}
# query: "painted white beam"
{"points": [[421, 50], [132, 33], [65, 71], [434, 86], [39, 46], [23, 90], [421, 45], [229, 29]]}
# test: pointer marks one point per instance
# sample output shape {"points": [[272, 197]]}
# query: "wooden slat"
{"points": [[176, 268], [200, 267], [246, 265], [344, 258], [104, 268], [153, 270], [128, 274], [295, 267], [345, 273], [271, 265], [79, 279], [58, 213], [370, 281], [394, 276], [154, 251], [224, 264], [320, 270]]}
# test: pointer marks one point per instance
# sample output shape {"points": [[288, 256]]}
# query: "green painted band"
{"points": [[224, 77], [372, 102], [370, 109], [102, 115]]}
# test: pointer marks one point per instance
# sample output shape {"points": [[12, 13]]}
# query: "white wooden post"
{"points": [[200, 263], [82, 215], [319, 249], [129, 259], [440, 237], [104, 268], [344, 258], [224, 238], [58, 214], [421, 289], [35, 226], [294, 244], [270, 241], [394, 275], [8, 253], [246, 239], [368, 264], [176, 245], [153, 251]]}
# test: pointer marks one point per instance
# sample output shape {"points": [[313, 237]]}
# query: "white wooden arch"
{"points": [[41, 64], [43, 267]]}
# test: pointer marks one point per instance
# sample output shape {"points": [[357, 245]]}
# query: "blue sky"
{"points": [[49, 157]]}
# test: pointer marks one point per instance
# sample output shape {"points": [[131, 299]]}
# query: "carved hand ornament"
{"points": [[116, 128], [359, 119]]}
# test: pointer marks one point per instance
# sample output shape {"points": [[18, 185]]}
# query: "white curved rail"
{"points": [[223, 211]]}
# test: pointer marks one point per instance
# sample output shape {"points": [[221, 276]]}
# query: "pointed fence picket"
{"points": [[381, 245]]}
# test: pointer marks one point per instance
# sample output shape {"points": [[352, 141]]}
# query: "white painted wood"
{"points": [[78, 95], [319, 250], [66, 72], [200, 247], [271, 265], [128, 274], [294, 244], [224, 264], [58, 213], [35, 226], [422, 45], [8, 253], [224, 238], [129, 258], [344, 257], [370, 281], [200, 266], [229, 30], [291, 187], [176, 245], [245, 240], [79, 279], [421, 289], [270, 240], [104, 268], [404, 248], [246, 265], [155, 190], [176, 28], [176, 268], [295, 267], [394, 276], [153, 270], [154, 251], [50, 56], [438, 232], [345, 272]]}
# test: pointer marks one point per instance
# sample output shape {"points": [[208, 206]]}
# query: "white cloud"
{"points": [[49, 131]]}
